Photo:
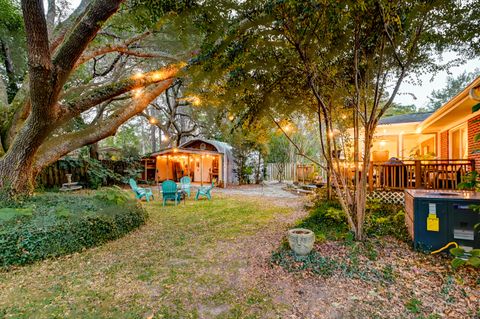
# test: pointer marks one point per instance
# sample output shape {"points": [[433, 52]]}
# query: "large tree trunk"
{"points": [[16, 167]]}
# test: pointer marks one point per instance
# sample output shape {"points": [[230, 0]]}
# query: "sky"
{"points": [[418, 94], [409, 93]]}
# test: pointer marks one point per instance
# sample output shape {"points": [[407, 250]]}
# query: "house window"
{"points": [[459, 142]]}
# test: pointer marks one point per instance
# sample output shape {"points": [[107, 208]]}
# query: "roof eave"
{"points": [[450, 105]]}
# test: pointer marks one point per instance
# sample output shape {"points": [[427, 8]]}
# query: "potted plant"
{"points": [[301, 241]]}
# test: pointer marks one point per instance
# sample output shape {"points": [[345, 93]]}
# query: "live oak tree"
{"points": [[40, 124]]}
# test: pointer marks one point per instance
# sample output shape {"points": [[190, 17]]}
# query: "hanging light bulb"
{"points": [[138, 75], [137, 93]]}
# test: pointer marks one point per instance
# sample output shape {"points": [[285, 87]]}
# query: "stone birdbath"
{"points": [[301, 241], [69, 185]]}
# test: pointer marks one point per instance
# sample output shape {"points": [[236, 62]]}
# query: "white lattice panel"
{"points": [[388, 197]]}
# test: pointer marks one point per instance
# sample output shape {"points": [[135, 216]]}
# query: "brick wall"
{"points": [[474, 147], [444, 145]]}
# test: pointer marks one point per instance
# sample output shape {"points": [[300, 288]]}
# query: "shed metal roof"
{"points": [[222, 148]]}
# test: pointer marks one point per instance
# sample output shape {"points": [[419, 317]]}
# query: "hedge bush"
{"points": [[51, 225]]}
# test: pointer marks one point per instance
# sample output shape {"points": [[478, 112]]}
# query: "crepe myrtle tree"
{"points": [[32, 125], [335, 62], [355, 57]]}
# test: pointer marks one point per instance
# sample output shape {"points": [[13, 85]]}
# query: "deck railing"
{"points": [[428, 174]]}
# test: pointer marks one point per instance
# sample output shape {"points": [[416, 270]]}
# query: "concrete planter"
{"points": [[301, 241]]}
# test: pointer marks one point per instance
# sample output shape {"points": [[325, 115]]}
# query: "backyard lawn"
{"points": [[186, 262]]}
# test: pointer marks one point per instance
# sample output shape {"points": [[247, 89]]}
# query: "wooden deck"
{"points": [[425, 174]]}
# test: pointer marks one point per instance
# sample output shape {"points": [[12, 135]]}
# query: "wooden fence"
{"points": [[274, 172], [291, 172], [54, 175]]}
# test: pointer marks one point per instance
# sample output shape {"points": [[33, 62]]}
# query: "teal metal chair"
{"points": [[185, 184], [170, 192], [205, 191], [140, 191]]}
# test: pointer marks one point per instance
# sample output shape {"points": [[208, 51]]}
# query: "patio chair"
{"points": [[205, 191], [140, 191], [170, 192], [185, 184]]}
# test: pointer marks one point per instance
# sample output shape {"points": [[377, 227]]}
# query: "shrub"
{"points": [[385, 220], [327, 220], [51, 225]]}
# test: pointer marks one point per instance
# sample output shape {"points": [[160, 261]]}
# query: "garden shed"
{"points": [[202, 160]]}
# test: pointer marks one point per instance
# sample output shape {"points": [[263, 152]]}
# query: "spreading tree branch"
{"points": [[84, 102], [56, 147], [81, 35]]}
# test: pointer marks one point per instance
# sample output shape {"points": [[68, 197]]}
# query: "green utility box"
{"points": [[435, 218]]}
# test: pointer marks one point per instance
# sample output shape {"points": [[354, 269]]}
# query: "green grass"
{"points": [[179, 265]]}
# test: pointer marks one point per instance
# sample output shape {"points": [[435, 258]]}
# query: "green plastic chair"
{"points": [[170, 192], [141, 191], [185, 184], [205, 191]]}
